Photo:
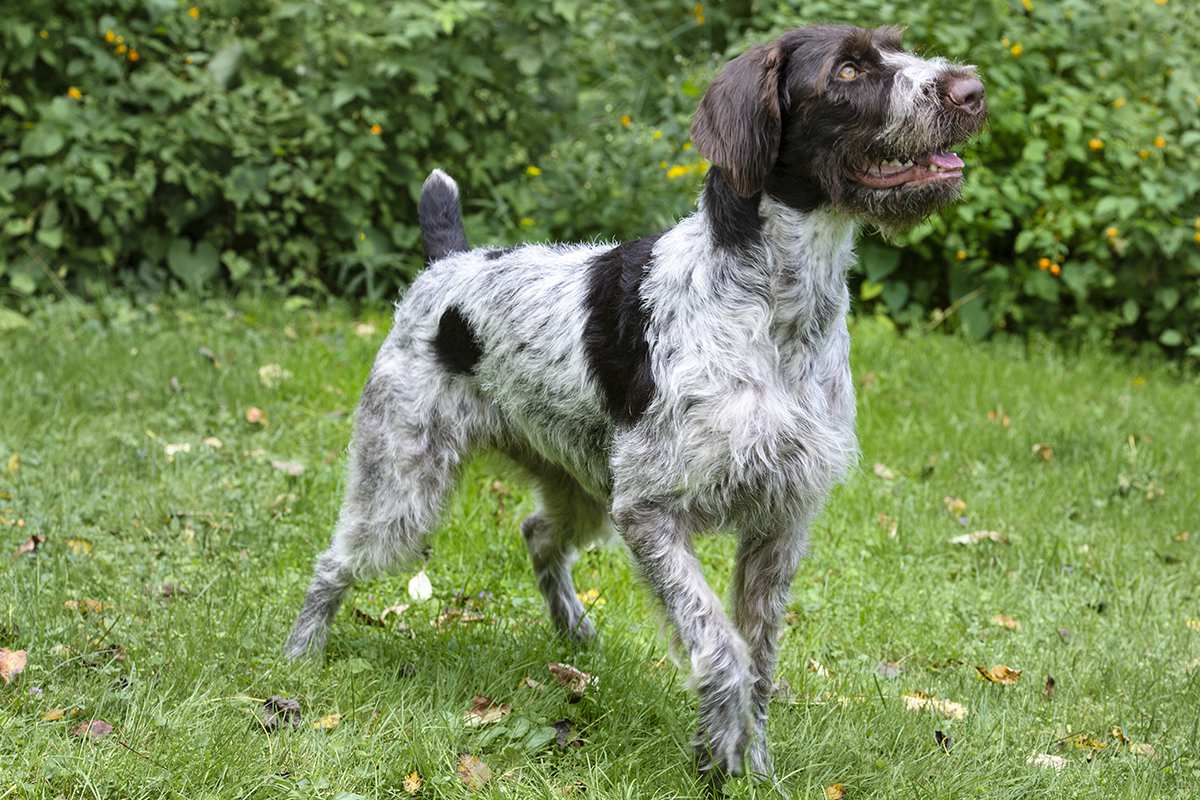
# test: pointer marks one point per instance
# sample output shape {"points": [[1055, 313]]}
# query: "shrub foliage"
{"points": [[242, 142]]}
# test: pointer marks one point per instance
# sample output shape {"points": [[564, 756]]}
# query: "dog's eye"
{"points": [[848, 72]]}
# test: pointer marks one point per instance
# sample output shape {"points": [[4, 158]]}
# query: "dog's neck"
{"points": [[795, 259]]}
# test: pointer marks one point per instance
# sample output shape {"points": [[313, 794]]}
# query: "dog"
{"points": [[693, 380]]}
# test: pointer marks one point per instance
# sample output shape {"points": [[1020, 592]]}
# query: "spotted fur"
{"points": [[693, 381]]}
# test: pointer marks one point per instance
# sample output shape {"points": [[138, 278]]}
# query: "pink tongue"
{"points": [[946, 160]]}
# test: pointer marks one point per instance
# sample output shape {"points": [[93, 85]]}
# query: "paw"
{"points": [[582, 632], [758, 760]]}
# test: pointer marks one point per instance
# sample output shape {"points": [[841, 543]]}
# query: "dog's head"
{"points": [[842, 116]]}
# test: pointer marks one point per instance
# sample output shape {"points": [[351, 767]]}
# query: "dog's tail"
{"points": [[441, 217]]}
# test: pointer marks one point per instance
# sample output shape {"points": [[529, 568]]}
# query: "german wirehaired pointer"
{"points": [[694, 380]]}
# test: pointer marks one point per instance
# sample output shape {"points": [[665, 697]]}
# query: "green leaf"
{"points": [[42, 142], [878, 260], [194, 266], [11, 320], [1171, 338]]}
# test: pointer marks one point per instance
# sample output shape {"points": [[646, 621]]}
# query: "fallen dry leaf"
{"points": [[1048, 687], [14, 464], [364, 329], [955, 505], [1194, 624], [30, 545], [256, 416], [530, 683], [1000, 674], [393, 610], [817, 667], [212, 442], [79, 547], [484, 711], [1043, 451], [835, 791], [889, 524], [454, 614], [419, 587], [980, 536], [12, 663], [1056, 763], [293, 468], [575, 680], [918, 701], [1005, 621], [172, 450], [271, 375], [94, 729], [279, 712], [328, 722], [413, 782], [1141, 749], [84, 606], [882, 471], [54, 715], [1082, 741], [473, 772], [1182, 536], [999, 416]]}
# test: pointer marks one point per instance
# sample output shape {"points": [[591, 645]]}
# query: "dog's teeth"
{"points": [[934, 168], [907, 164]]}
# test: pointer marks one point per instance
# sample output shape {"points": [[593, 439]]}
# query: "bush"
{"points": [[256, 142]]}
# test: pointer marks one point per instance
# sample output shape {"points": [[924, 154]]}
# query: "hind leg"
{"points": [[404, 457], [567, 519]]}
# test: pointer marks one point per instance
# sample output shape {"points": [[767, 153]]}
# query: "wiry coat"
{"points": [[690, 381]]}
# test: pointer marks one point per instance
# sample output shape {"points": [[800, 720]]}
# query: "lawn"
{"points": [[172, 567]]}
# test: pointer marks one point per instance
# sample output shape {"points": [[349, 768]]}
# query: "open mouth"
{"points": [[928, 168]]}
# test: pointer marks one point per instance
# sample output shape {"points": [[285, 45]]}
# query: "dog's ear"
{"points": [[739, 122]]}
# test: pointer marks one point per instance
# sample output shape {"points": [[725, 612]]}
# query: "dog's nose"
{"points": [[966, 93]]}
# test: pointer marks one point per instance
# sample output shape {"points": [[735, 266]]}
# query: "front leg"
{"points": [[766, 564], [661, 544]]}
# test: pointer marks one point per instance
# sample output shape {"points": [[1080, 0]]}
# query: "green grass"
{"points": [[91, 397]]}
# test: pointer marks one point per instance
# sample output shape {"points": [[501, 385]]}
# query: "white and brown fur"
{"points": [[691, 381]]}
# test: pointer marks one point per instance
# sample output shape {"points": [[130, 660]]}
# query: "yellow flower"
{"points": [[133, 55], [1111, 232], [1096, 144], [1055, 270], [527, 222], [44, 34], [74, 93], [1144, 153], [1160, 2], [1160, 141], [1119, 102], [187, 59], [1196, 237], [110, 37], [1016, 50], [677, 171], [533, 171], [376, 129], [1028, 4], [687, 146], [626, 120], [656, 135], [121, 49], [1044, 263], [662, 164], [698, 13], [194, 12], [960, 255]]}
